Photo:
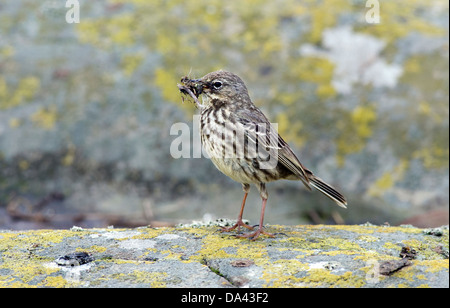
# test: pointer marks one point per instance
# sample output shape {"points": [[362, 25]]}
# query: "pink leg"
{"points": [[254, 235], [239, 222]]}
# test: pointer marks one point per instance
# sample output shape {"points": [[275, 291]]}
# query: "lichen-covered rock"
{"points": [[299, 256], [86, 108]]}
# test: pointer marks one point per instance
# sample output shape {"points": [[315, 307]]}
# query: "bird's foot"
{"points": [[238, 225], [254, 235]]}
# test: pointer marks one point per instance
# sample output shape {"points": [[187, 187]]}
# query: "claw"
{"points": [[238, 225], [254, 235]]}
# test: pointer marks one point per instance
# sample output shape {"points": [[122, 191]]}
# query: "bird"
{"points": [[242, 143]]}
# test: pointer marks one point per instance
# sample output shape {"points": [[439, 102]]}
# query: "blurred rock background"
{"points": [[86, 109]]}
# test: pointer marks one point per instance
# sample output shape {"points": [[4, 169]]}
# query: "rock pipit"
{"points": [[242, 143]]}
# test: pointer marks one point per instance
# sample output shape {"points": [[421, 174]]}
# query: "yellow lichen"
{"points": [[130, 63], [407, 273], [7, 51], [69, 158], [388, 179], [14, 122], [281, 273], [434, 266], [45, 118], [355, 131], [24, 92], [368, 238], [399, 18], [167, 82], [26, 268], [433, 157], [3, 89], [363, 117], [323, 277], [324, 16], [389, 245], [316, 70], [291, 132], [93, 249], [153, 279], [54, 282], [214, 247]]}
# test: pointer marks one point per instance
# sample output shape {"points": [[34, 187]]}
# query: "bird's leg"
{"points": [[254, 235], [239, 222]]}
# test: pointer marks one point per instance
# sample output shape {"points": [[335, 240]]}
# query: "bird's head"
{"points": [[218, 88]]}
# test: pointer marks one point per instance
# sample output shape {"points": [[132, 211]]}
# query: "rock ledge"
{"points": [[186, 256]]}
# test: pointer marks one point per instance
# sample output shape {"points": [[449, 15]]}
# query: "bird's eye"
{"points": [[217, 85]]}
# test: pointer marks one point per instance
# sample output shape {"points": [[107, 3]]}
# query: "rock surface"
{"points": [[186, 256]]}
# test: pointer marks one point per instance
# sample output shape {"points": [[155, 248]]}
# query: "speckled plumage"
{"points": [[242, 143]]}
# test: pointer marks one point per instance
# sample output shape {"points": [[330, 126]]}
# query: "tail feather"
{"points": [[327, 190]]}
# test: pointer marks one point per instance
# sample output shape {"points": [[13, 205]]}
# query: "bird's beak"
{"points": [[196, 85]]}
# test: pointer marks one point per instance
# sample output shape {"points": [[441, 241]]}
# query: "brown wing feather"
{"points": [[270, 139]]}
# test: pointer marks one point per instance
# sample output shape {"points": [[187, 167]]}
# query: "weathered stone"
{"points": [[300, 256]]}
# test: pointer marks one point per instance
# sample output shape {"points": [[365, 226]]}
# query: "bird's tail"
{"points": [[327, 190]]}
